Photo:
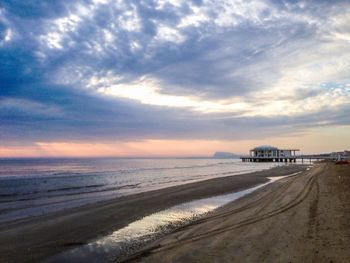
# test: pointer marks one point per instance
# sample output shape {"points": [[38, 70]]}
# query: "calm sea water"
{"points": [[30, 187]]}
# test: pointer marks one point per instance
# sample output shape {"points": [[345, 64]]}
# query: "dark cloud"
{"points": [[35, 9], [2, 31]]}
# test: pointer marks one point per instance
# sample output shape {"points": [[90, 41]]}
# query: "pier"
{"points": [[268, 153], [267, 159], [293, 159]]}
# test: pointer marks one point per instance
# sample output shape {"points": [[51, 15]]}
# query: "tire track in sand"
{"points": [[299, 198]]}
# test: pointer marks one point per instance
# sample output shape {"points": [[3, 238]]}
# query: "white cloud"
{"points": [[196, 18], [8, 34], [227, 13], [135, 46], [57, 31], [129, 20], [161, 4], [169, 34], [53, 40], [232, 13], [342, 36]]}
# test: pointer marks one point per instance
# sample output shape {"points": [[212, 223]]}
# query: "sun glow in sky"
{"points": [[173, 77]]}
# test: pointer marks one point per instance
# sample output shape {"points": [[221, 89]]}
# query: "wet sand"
{"points": [[304, 218], [35, 239]]}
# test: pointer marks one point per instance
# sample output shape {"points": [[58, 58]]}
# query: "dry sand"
{"points": [[35, 239], [304, 218]]}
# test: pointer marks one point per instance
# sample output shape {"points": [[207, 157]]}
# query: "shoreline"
{"points": [[304, 218], [48, 192], [78, 226]]}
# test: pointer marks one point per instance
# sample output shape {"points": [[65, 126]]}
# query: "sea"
{"points": [[32, 187]]}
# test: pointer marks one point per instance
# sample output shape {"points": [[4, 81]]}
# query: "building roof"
{"points": [[265, 148]]}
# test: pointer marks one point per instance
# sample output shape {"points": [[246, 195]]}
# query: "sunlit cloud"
{"points": [[273, 102], [147, 91]]}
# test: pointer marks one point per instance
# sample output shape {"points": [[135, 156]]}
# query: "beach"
{"points": [[174, 131], [37, 238], [304, 218]]}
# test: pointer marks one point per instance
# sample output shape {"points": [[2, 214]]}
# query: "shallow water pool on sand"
{"points": [[125, 240]]}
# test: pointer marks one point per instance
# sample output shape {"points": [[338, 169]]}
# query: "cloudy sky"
{"points": [[173, 77]]}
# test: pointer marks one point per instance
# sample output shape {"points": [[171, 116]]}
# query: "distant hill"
{"points": [[224, 155]]}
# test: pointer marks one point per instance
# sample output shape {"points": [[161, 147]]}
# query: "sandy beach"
{"points": [[300, 218], [34, 239], [304, 218]]}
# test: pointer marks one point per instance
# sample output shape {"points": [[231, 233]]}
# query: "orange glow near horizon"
{"points": [[314, 141]]}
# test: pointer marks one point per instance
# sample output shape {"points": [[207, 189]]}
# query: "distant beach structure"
{"points": [[267, 153]]}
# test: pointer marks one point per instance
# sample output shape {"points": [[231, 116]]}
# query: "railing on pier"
{"points": [[293, 158]]}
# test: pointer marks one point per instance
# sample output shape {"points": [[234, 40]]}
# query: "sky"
{"points": [[173, 77]]}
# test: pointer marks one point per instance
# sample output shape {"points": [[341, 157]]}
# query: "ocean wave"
{"points": [[66, 193]]}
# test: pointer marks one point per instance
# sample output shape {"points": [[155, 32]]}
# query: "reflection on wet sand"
{"points": [[123, 241]]}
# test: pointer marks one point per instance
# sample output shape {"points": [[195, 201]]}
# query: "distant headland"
{"points": [[225, 155]]}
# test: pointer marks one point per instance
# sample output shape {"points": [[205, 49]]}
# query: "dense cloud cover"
{"points": [[229, 69]]}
